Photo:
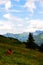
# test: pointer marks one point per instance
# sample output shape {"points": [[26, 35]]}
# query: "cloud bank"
{"points": [[16, 19], [17, 25]]}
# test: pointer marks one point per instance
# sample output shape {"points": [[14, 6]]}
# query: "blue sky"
{"points": [[18, 16]]}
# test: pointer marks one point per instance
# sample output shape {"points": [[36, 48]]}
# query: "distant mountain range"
{"points": [[38, 36], [22, 37]]}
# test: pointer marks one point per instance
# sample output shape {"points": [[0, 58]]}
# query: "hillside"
{"points": [[9, 40], [20, 55]]}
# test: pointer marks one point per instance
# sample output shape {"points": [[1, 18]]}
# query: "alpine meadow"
{"points": [[21, 32]]}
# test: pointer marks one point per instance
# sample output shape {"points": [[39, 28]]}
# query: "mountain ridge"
{"points": [[38, 36]]}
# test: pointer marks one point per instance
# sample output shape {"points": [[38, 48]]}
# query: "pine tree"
{"points": [[31, 42]]}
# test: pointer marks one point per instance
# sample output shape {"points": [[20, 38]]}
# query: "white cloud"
{"points": [[8, 5], [30, 4], [5, 25], [41, 2], [13, 25], [18, 25], [7, 16], [9, 27], [12, 18], [35, 25], [2, 2]]}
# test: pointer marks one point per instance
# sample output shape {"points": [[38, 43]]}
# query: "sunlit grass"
{"points": [[20, 56]]}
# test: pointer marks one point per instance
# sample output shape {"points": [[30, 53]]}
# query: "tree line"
{"points": [[32, 44]]}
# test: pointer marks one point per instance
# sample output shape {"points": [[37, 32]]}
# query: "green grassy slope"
{"points": [[20, 55], [6, 40]]}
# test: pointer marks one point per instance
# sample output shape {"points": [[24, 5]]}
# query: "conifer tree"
{"points": [[31, 42]]}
